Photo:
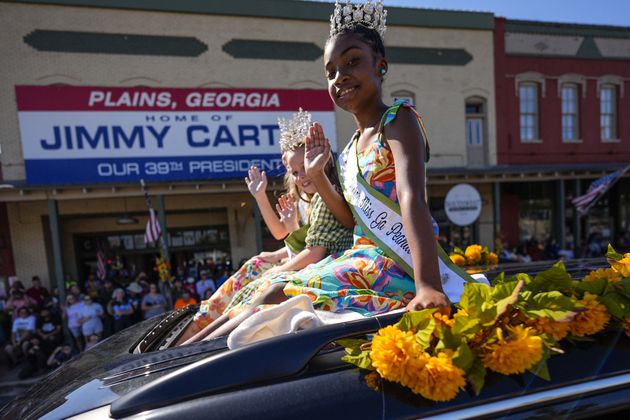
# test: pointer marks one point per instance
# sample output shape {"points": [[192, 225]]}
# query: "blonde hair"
{"points": [[289, 183]]}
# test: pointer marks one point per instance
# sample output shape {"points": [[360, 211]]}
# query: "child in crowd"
{"points": [[320, 235]]}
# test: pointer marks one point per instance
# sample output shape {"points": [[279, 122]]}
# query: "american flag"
{"points": [[596, 190], [101, 268], [153, 231]]}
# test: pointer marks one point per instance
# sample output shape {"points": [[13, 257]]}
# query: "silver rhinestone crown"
{"points": [[293, 132], [371, 15]]}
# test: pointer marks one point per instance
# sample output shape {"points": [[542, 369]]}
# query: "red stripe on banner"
{"points": [[99, 98]]}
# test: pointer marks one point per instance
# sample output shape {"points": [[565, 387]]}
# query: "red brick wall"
{"points": [[552, 149]]}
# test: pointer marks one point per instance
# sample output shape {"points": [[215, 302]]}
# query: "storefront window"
{"points": [[535, 218], [129, 252]]}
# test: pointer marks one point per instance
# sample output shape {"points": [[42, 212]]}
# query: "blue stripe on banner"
{"points": [[116, 170]]}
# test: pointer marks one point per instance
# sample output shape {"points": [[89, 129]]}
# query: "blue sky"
{"points": [[601, 12]]}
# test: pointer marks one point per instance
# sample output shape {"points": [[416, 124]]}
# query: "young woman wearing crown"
{"points": [[383, 178], [382, 172]]}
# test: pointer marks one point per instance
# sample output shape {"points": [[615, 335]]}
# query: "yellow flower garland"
{"points": [[439, 379], [556, 329], [592, 320], [508, 328], [519, 352], [609, 274], [474, 255], [392, 351]]}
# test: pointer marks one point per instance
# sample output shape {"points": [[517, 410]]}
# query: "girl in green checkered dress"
{"points": [[320, 236]]}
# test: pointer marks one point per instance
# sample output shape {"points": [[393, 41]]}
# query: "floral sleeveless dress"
{"points": [[363, 278]]}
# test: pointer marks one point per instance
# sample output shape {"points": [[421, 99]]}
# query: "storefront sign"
{"points": [[463, 204], [78, 135]]}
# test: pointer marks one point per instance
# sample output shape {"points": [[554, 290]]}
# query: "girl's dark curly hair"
{"points": [[367, 35]]}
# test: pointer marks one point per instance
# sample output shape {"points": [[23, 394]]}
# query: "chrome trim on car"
{"points": [[537, 398]]}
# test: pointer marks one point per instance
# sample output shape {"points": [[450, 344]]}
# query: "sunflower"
{"points": [[443, 319], [556, 329], [473, 254], [394, 352], [519, 352], [439, 379], [458, 260], [592, 320], [622, 266], [609, 274]]}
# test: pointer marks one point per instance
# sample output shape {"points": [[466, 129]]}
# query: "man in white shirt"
{"points": [[23, 328]]}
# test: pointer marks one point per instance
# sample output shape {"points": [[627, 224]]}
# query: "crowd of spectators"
{"points": [[38, 332]]}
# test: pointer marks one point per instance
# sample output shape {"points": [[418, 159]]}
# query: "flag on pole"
{"points": [[152, 232], [101, 267], [596, 190]]}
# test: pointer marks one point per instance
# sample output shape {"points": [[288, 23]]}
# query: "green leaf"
{"points": [[424, 334], [554, 300], [463, 357], [499, 279], [596, 287], [511, 299], [541, 369], [612, 254], [351, 343], [552, 305], [617, 304], [459, 251], [476, 376], [474, 296], [448, 339], [527, 279], [503, 290], [361, 360], [465, 326], [622, 287], [415, 320], [556, 278], [548, 313]]}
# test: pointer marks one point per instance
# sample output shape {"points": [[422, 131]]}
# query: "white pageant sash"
{"points": [[380, 219]]}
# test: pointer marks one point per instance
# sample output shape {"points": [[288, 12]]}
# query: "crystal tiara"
{"points": [[371, 15], [293, 132]]}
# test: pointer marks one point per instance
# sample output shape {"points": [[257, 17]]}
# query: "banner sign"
{"points": [[79, 135]]}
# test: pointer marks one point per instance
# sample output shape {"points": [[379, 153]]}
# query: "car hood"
{"points": [[103, 374]]}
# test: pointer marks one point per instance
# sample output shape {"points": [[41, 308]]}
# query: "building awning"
{"points": [[21, 191]]}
